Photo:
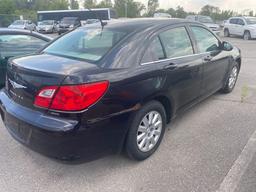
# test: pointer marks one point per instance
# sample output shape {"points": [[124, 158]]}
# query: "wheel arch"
{"points": [[167, 103]]}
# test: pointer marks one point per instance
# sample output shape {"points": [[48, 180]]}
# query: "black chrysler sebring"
{"points": [[98, 91]]}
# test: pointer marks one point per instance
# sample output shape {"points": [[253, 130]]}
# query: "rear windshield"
{"points": [[46, 22], [19, 22], [68, 21], [85, 44], [205, 20]]}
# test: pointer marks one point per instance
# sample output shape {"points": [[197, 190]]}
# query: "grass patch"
{"points": [[244, 94]]}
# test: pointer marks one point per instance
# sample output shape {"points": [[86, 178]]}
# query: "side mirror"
{"points": [[226, 46]]}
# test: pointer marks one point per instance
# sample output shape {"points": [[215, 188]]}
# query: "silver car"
{"points": [[23, 24], [47, 26]]}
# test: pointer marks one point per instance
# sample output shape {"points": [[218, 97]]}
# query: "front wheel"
{"points": [[232, 78], [146, 131]]}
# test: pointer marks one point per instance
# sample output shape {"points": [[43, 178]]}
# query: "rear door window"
{"points": [[176, 42], [206, 41]]}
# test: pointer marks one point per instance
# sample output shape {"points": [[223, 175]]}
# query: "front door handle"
{"points": [[208, 58], [170, 66]]}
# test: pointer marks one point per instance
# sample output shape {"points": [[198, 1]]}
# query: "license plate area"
{"points": [[19, 130]]}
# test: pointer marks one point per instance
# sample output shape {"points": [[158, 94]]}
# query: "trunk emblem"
{"points": [[16, 85]]}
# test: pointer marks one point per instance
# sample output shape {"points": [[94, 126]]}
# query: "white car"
{"points": [[241, 26], [23, 24], [207, 21]]}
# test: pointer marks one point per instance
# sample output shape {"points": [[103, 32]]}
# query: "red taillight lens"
{"points": [[72, 97]]}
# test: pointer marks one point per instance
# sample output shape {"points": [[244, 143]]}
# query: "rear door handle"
{"points": [[170, 66], [208, 58]]}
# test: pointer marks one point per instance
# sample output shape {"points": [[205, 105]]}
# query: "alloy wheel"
{"points": [[233, 77], [149, 131]]}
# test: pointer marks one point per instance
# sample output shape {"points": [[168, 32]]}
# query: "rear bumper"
{"points": [[63, 30], [61, 138], [45, 30]]}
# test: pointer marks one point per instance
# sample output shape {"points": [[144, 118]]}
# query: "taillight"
{"points": [[71, 97], [44, 97]]}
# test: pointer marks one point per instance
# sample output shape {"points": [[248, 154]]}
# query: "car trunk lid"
{"points": [[27, 75]]}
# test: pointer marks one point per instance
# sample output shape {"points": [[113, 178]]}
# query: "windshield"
{"points": [[68, 21], [205, 20], [19, 22], [86, 44], [251, 20], [46, 22]]}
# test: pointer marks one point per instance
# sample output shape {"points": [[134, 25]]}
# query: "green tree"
{"points": [[7, 6], [152, 7], [105, 3], [180, 13], [210, 10], [128, 8], [90, 4], [172, 12], [74, 4], [58, 4]]}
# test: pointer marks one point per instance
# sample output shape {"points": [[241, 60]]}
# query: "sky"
{"points": [[195, 5]]}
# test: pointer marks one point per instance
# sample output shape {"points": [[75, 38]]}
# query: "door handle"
{"points": [[170, 66], [208, 58]]}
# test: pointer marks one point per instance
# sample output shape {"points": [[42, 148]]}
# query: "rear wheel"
{"points": [[146, 131], [232, 78], [247, 35], [226, 33]]}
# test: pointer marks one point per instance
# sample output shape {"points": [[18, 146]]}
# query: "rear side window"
{"points": [[16, 45], [154, 52], [206, 41], [176, 42]]}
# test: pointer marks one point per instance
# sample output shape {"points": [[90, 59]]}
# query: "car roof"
{"points": [[143, 23], [24, 32]]}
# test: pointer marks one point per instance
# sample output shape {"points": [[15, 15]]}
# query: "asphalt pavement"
{"points": [[208, 148]]}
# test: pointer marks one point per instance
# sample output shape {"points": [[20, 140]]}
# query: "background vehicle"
{"points": [[83, 15], [47, 26], [206, 20], [97, 91], [23, 24], [16, 43], [241, 26], [162, 15], [67, 24]]}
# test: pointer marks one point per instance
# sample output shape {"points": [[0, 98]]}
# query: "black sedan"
{"points": [[99, 91], [17, 42]]}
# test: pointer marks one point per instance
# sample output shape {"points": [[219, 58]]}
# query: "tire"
{"points": [[247, 35], [150, 137], [226, 33], [232, 79]]}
